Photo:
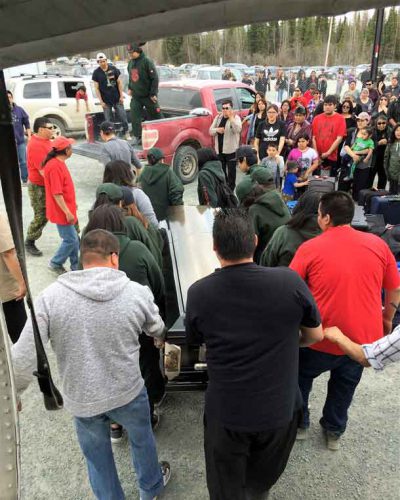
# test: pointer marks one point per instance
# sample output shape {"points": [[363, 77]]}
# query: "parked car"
{"points": [[389, 69], [53, 97], [167, 73], [215, 73], [189, 107]]}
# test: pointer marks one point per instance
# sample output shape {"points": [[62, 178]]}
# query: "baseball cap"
{"points": [[113, 191], [262, 175], [300, 111], [156, 152], [363, 116], [245, 152], [134, 47], [244, 188], [61, 143], [127, 195], [101, 55], [107, 127]]}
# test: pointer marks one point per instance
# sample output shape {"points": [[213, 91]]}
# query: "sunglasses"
{"points": [[226, 107], [368, 84], [381, 123], [346, 106]]}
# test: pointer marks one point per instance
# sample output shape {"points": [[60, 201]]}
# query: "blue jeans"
{"points": [[21, 152], [345, 376], [94, 439], [120, 115], [281, 95], [69, 247]]}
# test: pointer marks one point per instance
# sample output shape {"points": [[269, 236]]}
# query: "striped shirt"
{"points": [[384, 351]]}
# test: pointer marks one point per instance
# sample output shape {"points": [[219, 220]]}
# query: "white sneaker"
{"points": [[166, 472], [128, 137]]}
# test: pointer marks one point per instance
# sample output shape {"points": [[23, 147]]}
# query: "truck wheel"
{"points": [[185, 164], [58, 126]]}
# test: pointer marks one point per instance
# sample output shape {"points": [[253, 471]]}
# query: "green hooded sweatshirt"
{"points": [[392, 161], [268, 212], [150, 237], [162, 186], [209, 175], [285, 242], [139, 265], [143, 77]]}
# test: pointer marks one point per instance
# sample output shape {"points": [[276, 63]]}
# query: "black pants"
{"points": [[393, 187], [229, 167], [245, 465], [360, 181], [15, 314], [327, 167], [379, 169], [149, 361]]}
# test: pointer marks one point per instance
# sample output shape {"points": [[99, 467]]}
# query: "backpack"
{"points": [[226, 198], [392, 238]]}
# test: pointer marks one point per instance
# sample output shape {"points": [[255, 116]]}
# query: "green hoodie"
{"points": [[139, 265], [162, 186], [150, 237], [209, 175], [143, 77], [268, 212], [285, 241], [392, 161]]}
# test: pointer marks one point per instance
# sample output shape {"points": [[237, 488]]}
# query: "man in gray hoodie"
{"points": [[97, 351]]}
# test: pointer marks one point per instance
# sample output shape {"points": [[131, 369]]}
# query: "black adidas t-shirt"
{"points": [[269, 133], [249, 318]]}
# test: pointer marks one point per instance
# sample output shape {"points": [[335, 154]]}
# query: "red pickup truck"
{"points": [[189, 107]]}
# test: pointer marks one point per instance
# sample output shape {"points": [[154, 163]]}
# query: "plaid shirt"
{"points": [[384, 351], [311, 109]]}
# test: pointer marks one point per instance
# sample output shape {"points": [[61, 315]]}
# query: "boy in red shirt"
{"points": [[345, 270], [328, 130], [81, 94], [61, 204]]}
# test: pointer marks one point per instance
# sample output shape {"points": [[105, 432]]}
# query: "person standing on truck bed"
{"points": [[143, 89], [226, 129], [109, 90], [115, 148]]}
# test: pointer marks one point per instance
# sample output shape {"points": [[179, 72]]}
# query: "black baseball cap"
{"points": [[245, 152], [107, 127]]}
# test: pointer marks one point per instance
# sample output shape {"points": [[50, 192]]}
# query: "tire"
{"points": [[185, 164], [59, 127]]}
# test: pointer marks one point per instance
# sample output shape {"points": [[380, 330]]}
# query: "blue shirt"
{"points": [[20, 120], [289, 187]]}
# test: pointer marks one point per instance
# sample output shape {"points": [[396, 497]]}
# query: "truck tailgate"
{"points": [[94, 150]]}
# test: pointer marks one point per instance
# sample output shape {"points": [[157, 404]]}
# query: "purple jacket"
{"points": [[20, 121]]}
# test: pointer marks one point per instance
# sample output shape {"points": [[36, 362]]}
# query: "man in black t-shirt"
{"points": [[109, 90], [249, 317]]}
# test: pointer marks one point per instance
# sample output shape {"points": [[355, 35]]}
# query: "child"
{"points": [[291, 181], [81, 94], [364, 147], [305, 157], [275, 162], [392, 160]]}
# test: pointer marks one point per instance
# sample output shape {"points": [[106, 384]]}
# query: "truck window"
{"points": [[246, 97], [68, 89], [179, 98], [37, 90], [220, 95]]}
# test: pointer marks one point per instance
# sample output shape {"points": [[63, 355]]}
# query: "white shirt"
{"points": [[384, 351]]}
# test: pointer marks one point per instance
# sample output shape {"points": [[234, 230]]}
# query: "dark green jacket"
{"points": [[162, 186], [150, 237], [210, 174], [285, 242], [143, 77], [392, 161], [268, 212], [139, 265]]}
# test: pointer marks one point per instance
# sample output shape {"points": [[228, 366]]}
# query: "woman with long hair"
{"points": [[281, 85], [380, 136], [258, 116], [381, 107], [302, 227], [392, 160], [120, 173], [285, 113]]}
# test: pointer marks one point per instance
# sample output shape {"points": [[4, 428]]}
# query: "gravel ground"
{"points": [[366, 467]]}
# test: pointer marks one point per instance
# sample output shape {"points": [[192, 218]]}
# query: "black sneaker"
{"points": [[155, 421], [31, 248], [116, 434]]}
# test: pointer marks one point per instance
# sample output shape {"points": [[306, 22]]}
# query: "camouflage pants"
{"points": [[37, 196]]}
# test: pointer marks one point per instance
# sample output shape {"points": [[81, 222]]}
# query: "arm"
{"points": [[281, 144], [175, 190], [154, 325], [120, 90], [98, 93], [153, 75], [193, 335], [214, 129], [11, 261], [77, 104], [26, 124], [134, 159], [309, 336], [314, 143], [333, 147], [301, 184], [61, 203], [235, 123], [350, 348], [392, 299]]}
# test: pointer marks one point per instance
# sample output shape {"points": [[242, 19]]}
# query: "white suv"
{"points": [[54, 97]]}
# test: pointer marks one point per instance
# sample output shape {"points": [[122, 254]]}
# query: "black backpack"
{"points": [[226, 198]]}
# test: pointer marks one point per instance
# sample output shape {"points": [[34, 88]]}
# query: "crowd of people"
{"points": [[259, 380]]}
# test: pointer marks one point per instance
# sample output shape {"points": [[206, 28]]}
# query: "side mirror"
{"points": [[200, 112]]}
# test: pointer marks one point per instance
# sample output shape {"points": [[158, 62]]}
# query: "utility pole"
{"points": [[380, 15], [328, 45]]}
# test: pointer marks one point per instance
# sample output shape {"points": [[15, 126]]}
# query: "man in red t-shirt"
{"points": [[61, 204], [328, 130], [36, 152], [345, 270]]}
